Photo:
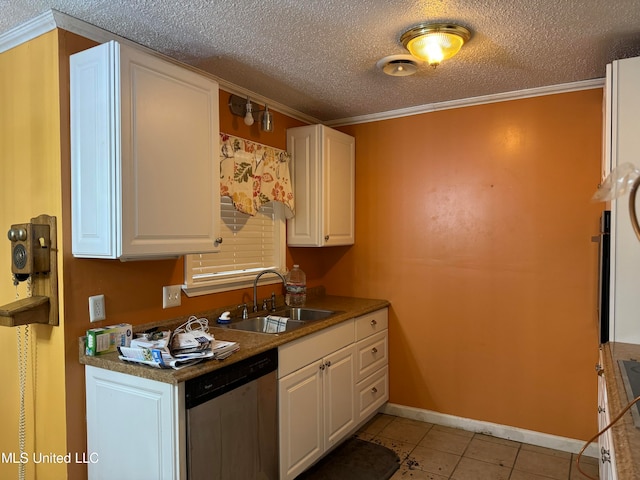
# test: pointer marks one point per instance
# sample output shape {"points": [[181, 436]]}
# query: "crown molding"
{"points": [[33, 28], [469, 102], [52, 19]]}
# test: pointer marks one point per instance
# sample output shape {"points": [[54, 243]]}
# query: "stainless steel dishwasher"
{"points": [[232, 421]]}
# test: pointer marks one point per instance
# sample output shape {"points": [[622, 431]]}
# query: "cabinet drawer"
{"points": [[301, 352], [603, 415], [372, 392], [372, 355], [371, 323]]}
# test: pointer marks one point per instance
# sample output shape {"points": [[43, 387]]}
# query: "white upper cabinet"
{"points": [[622, 145], [323, 170], [144, 156]]}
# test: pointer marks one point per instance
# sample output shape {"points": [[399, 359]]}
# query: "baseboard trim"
{"points": [[494, 429]]}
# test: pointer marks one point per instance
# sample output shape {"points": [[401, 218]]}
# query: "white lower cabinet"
{"points": [[300, 416], [135, 427], [329, 385], [337, 395], [372, 373], [607, 463], [316, 409]]}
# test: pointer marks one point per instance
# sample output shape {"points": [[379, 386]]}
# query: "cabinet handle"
{"points": [[599, 369], [219, 240], [374, 390], [374, 350], [328, 363], [632, 207], [322, 366], [373, 323], [326, 238]]}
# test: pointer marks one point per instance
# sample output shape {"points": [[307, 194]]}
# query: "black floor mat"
{"points": [[355, 459]]}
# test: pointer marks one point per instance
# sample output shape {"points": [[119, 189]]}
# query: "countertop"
{"points": [[626, 436], [251, 343]]}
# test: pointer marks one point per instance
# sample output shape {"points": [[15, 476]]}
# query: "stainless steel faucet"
{"points": [[255, 286]]}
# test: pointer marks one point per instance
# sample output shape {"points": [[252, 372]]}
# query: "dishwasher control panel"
{"points": [[213, 384]]}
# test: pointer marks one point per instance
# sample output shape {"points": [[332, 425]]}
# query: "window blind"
{"points": [[250, 244]]}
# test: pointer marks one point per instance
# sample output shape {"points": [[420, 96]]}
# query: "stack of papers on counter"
{"points": [[222, 349], [176, 351]]}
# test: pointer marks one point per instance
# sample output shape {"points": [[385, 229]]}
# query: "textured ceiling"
{"points": [[319, 57]]}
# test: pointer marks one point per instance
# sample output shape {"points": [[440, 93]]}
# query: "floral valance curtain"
{"points": [[253, 174]]}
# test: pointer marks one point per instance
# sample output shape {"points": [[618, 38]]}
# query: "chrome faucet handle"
{"points": [[273, 301], [265, 304], [245, 312]]}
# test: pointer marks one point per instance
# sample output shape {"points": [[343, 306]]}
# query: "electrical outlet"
{"points": [[171, 296], [97, 311]]}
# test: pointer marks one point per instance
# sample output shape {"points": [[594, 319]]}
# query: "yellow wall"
{"points": [[476, 224], [31, 184]]}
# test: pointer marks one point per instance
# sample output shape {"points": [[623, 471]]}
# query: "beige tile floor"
{"points": [[435, 452]]}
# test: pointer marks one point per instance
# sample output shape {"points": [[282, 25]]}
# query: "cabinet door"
{"points": [[170, 157], [339, 399], [338, 188], [303, 144], [144, 156], [133, 427], [323, 171], [95, 151], [300, 410]]}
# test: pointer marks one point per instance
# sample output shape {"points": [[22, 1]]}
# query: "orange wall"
{"points": [[480, 239], [476, 224]]}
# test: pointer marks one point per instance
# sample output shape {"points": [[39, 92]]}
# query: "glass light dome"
{"points": [[435, 42]]}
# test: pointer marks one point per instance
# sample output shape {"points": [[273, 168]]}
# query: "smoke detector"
{"points": [[398, 65]]}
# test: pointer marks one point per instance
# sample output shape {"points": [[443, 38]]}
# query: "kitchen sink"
{"points": [[267, 324], [281, 321], [305, 314]]}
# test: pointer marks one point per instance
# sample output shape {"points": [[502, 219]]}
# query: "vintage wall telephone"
{"points": [[34, 257], [29, 250]]}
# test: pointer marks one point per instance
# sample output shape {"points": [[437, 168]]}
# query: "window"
{"points": [[250, 245]]}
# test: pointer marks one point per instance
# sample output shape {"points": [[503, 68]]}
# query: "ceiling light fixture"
{"points": [[251, 112], [435, 42]]}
